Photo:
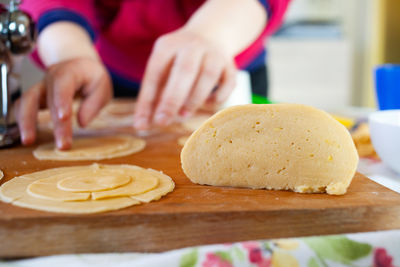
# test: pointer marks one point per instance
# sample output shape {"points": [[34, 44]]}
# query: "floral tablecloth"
{"points": [[378, 249], [375, 249]]}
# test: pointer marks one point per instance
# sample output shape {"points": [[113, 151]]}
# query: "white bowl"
{"points": [[385, 136]]}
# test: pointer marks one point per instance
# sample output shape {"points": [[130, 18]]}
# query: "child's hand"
{"points": [[184, 70], [62, 82]]}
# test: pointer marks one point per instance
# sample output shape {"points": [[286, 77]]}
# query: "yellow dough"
{"points": [[136, 186], [281, 147], [165, 185], [117, 114], [40, 190], [46, 188], [92, 148], [193, 123], [182, 140], [120, 107], [92, 184]]}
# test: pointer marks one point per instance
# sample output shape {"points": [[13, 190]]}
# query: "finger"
{"points": [[208, 78], [96, 95], [155, 74], [61, 87], [228, 83], [26, 112], [181, 80]]}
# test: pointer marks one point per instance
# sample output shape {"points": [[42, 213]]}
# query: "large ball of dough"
{"points": [[281, 147]]}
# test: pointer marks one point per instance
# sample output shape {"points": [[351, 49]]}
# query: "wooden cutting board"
{"points": [[190, 215]]}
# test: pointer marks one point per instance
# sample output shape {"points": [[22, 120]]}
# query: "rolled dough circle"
{"points": [[117, 114], [39, 190], [46, 188], [92, 148], [92, 183]]}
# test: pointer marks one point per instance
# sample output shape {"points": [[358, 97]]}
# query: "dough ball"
{"points": [[42, 191], [92, 148], [280, 147]]}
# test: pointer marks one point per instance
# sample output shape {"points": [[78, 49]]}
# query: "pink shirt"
{"points": [[124, 31]]}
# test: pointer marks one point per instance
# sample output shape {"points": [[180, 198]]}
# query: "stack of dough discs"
{"points": [[92, 148], [86, 189], [281, 147]]}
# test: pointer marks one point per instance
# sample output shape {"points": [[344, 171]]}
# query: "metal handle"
{"points": [[5, 90], [17, 36], [5, 94]]}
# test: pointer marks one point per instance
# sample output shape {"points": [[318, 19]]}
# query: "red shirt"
{"points": [[124, 31]]}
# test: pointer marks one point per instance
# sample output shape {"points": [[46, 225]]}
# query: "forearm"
{"points": [[63, 41], [230, 24]]}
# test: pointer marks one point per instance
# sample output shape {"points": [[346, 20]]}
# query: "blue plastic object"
{"points": [[387, 85]]}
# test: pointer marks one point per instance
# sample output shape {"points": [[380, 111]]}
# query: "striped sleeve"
{"points": [[81, 12]]}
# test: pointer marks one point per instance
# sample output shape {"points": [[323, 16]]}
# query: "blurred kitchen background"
{"points": [[324, 53]]}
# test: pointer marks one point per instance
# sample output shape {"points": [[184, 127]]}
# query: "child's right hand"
{"points": [[84, 76]]}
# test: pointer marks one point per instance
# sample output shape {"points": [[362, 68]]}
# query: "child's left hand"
{"points": [[181, 75]]}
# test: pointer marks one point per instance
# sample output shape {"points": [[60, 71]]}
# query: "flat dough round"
{"points": [[117, 114], [106, 121], [85, 183], [281, 147], [46, 188], [165, 185], [120, 107], [142, 181], [44, 183], [92, 148], [193, 123]]}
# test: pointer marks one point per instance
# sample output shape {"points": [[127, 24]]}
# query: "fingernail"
{"points": [[161, 119], [62, 113], [64, 143], [25, 138]]}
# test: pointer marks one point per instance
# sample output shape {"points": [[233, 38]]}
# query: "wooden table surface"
{"points": [[190, 215]]}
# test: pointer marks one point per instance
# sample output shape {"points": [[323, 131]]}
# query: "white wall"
{"points": [[313, 72]]}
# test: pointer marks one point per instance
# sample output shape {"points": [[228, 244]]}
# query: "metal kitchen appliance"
{"points": [[16, 38]]}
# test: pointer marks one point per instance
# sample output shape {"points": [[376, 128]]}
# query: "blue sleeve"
{"points": [[266, 5], [63, 14]]}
